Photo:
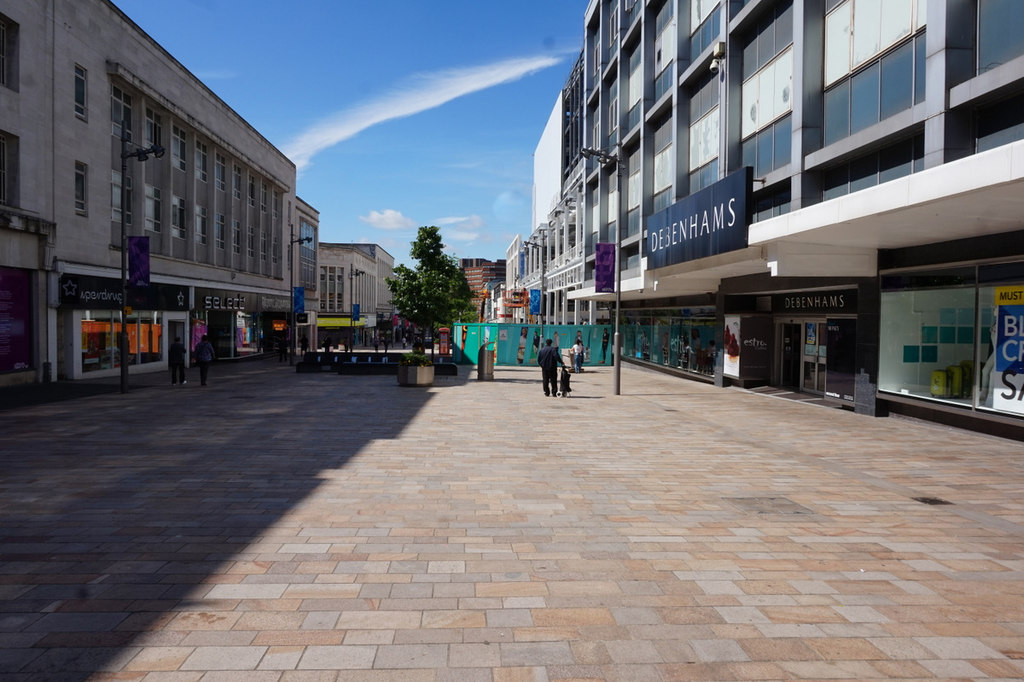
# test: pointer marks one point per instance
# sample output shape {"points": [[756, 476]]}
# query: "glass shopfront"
{"points": [[101, 330], [681, 338], [239, 324], [955, 336]]}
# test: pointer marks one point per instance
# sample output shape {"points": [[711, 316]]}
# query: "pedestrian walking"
{"points": [[204, 356], [176, 359], [282, 349], [304, 344], [549, 360], [577, 355]]}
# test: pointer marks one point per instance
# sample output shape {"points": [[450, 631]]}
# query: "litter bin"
{"points": [[485, 364]]}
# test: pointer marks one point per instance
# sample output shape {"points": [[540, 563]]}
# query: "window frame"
{"points": [[201, 160], [179, 217], [154, 207], [200, 217], [179, 147], [81, 188], [120, 102], [81, 92]]}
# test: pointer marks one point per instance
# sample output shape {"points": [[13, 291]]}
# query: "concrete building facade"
{"points": [[354, 275], [107, 141], [821, 196]]}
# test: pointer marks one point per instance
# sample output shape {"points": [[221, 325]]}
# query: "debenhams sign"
{"points": [[709, 222]]}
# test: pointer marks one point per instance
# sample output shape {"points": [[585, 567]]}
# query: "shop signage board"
{"points": [[84, 292], [746, 345], [711, 221], [1007, 378]]}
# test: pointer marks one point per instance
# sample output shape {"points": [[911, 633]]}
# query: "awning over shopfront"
{"points": [[339, 322]]}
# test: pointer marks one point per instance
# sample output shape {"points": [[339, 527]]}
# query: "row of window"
{"points": [[178, 212]]}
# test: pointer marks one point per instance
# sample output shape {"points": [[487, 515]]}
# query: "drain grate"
{"points": [[931, 500]]}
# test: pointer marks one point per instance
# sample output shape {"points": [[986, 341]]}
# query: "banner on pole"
{"points": [[138, 261], [604, 268]]}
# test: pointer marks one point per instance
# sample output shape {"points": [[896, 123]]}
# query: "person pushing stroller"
{"points": [[550, 360]]}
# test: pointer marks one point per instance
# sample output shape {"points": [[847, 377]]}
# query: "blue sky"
{"points": [[398, 113]]}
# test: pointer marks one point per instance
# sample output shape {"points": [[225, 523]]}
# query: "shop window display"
{"points": [[955, 336], [101, 330], [681, 339]]}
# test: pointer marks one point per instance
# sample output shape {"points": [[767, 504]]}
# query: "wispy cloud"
{"points": [[462, 222], [388, 219], [423, 92]]}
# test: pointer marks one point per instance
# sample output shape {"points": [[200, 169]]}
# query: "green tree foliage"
{"points": [[435, 293]]}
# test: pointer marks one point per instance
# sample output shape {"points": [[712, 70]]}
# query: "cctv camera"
{"points": [[715, 65]]}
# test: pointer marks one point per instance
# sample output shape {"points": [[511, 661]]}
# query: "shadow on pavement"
{"points": [[116, 509]]}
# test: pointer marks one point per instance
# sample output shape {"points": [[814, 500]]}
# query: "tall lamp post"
{"points": [[353, 272], [138, 154], [291, 270], [606, 159]]}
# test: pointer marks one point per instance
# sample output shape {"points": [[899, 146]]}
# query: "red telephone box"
{"points": [[444, 337]]}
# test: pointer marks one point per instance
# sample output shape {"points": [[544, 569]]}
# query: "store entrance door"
{"points": [[803, 355], [791, 354]]}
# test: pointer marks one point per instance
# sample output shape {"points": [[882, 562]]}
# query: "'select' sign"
{"points": [[706, 223]]}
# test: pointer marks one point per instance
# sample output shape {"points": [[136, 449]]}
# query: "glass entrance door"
{"points": [[812, 374]]}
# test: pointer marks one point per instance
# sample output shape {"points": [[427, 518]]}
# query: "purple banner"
{"points": [[604, 268], [15, 320], [138, 261]]}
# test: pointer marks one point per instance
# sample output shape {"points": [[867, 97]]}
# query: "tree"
{"points": [[434, 293]]}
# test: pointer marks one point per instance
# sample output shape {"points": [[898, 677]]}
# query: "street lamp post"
{"points": [[605, 159], [291, 270], [140, 155], [353, 272]]}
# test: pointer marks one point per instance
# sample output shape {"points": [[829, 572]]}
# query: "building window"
{"points": [[876, 91], [154, 128], [81, 187], [200, 162], [115, 198], [236, 182], [705, 26], [178, 147], [80, 92], [219, 172], [178, 217], [857, 31], [218, 230], [950, 338], [250, 242], [252, 191], [200, 224], [153, 208], [276, 202], [664, 48], [120, 111], [664, 166], [3, 51], [263, 197], [1000, 33], [263, 245], [704, 133], [895, 161], [3, 170], [236, 237], [767, 91]]}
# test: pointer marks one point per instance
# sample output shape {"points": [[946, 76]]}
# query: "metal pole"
{"points": [[123, 340], [291, 290], [616, 356]]}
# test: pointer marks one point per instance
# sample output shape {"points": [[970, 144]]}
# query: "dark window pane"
{"points": [[784, 27], [895, 161], [765, 43], [864, 99], [863, 173], [764, 152], [748, 150], [783, 142], [1000, 33], [1001, 124], [919, 61], [835, 183], [750, 58], [897, 80], [837, 112]]}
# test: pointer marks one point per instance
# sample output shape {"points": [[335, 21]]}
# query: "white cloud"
{"points": [[424, 92], [461, 222], [388, 219]]}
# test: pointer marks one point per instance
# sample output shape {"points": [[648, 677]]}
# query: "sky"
{"points": [[396, 113]]}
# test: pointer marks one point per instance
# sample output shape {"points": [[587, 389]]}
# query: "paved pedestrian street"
{"points": [[282, 526]]}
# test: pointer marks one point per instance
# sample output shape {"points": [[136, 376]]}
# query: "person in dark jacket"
{"points": [[549, 360], [204, 355], [176, 359]]}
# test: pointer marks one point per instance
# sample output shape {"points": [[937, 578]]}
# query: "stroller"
{"points": [[563, 383]]}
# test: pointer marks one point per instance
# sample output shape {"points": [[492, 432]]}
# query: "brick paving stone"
{"points": [[444, 537]]}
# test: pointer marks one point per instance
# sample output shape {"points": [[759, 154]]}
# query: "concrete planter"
{"points": [[409, 375]]}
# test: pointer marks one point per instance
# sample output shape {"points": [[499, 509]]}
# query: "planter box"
{"points": [[415, 376]]}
